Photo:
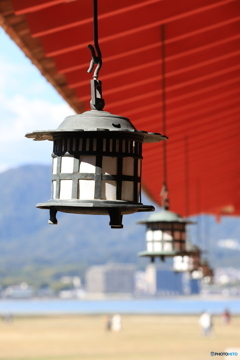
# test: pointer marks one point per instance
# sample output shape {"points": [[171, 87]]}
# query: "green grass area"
{"points": [[141, 337]]}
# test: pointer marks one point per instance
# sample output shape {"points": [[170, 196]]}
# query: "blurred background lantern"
{"points": [[190, 261]]}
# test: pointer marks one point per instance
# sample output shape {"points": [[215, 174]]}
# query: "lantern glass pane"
{"points": [[149, 246], [181, 263], [167, 246], [197, 274], [109, 165], [55, 159], [86, 189], [128, 166], [157, 235], [166, 235], [157, 246], [149, 235], [109, 190], [177, 235], [127, 191], [177, 245], [87, 164], [54, 185], [67, 164], [65, 189]]}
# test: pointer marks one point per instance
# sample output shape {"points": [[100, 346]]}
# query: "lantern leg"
{"points": [[53, 219], [152, 259], [162, 257], [115, 219]]}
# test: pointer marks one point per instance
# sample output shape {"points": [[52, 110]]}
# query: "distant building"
{"points": [[112, 278], [163, 281], [22, 291]]}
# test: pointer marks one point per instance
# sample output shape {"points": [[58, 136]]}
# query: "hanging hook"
{"points": [[95, 60], [96, 103]]}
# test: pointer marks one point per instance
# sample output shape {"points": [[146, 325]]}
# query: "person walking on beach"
{"points": [[206, 323]]}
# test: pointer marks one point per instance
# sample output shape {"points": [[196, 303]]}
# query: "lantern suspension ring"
{"points": [[97, 102]]}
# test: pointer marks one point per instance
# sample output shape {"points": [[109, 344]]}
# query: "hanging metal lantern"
{"points": [[165, 235], [190, 261], [96, 167], [97, 157], [207, 272], [204, 272]]}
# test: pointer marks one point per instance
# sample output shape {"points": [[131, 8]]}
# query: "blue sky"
{"points": [[27, 102]]}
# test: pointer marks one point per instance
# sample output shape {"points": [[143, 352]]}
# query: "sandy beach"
{"points": [[141, 337]]}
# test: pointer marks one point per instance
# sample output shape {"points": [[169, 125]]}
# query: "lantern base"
{"points": [[162, 254], [115, 209]]}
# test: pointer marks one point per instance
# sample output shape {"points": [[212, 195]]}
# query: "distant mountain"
{"points": [[29, 245]]}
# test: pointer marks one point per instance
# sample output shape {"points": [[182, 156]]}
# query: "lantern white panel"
{"points": [[109, 165], [197, 274], [166, 236], [86, 189], [157, 246], [149, 246], [54, 163], [87, 164], [128, 166], [181, 263], [54, 185], [109, 190], [127, 191], [67, 164], [167, 246], [157, 235], [65, 189], [149, 235]]}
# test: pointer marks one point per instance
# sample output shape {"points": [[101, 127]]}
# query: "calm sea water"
{"points": [[133, 306]]}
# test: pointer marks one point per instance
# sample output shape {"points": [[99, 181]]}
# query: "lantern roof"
{"points": [[165, 216], [190, 247], [95, 120]]}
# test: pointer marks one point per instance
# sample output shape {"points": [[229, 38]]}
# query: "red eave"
{"points": [[202, 50]]}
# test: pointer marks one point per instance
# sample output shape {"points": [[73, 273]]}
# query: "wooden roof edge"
{"points": [[72, 99]]}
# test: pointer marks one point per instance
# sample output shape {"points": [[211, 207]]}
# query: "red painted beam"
{"points": [[28, 6], [72, 14], [122, 26], [79, 59]]}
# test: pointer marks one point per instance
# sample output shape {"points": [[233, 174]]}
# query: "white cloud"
{"points": [[231, 244], [27, 103]]}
